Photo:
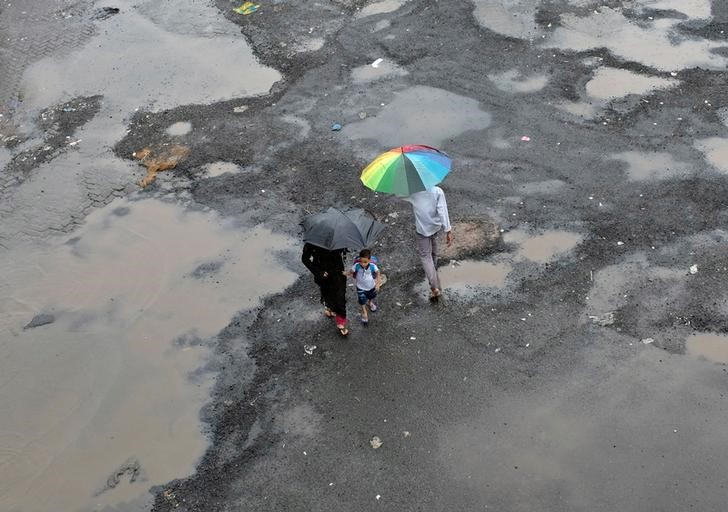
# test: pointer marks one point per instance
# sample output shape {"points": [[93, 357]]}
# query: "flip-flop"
{"points": [[328, 313], [364, 321], [343, 330], [435, 297], [373, 307]]}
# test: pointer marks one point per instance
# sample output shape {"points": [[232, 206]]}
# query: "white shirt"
{"points": [[366, 278], [430, 209]]}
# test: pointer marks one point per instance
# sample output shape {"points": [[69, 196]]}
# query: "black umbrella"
{"points": [[336, 229]]}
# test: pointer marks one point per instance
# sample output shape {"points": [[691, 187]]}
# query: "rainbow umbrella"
{"points": [[405, 170]]}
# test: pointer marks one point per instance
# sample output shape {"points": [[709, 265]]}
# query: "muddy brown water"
{"points": [[543, 247], [105, 383], [711, 346], [470, 274]]}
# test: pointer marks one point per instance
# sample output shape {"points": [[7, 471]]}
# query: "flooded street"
{"points": [[120, 373], [164, 349]]}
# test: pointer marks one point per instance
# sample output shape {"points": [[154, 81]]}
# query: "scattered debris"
{"points": [[309, 349], [694, 269], [413, 338], [406, 433], [378, 496], [240, 109], [362, 115], [132, 467], [375, 442], [526, 138], [377, 62], [647, 341], [171, 498], [603, 320], [74, 142], [620, 243], [336, 127], [39, 320], [160, 160], [497, 350], [105, 13], [247, 8]]}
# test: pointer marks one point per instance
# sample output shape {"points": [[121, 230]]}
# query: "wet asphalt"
{"points": [[541, 392]]}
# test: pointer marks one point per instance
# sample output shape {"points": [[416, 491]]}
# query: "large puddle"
{"points": [[147, 56], [654, 43], [103, 401], [149, 53], [421, 115], [711, 346]]}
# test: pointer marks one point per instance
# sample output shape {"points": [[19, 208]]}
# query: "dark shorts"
{"points": [[366, 295]]}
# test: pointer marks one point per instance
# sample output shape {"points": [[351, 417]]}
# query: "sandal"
{"points": [[328, 313], [436, 294], [343, 330], [372, 307]]}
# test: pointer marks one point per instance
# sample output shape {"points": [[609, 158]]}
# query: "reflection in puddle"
{"points": [[609, 83], [543, 247], [102, 395], [655, 45], [514, 81], [167, 60], [715, 150], [156, 64], [423, 114], [474, 274], [645, 166], [708, 345], [382, 7], [513, 18]]}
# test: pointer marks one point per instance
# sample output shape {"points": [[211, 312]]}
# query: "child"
{"points": [[368, 280]]}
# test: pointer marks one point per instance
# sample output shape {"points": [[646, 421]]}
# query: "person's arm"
{"points": [[444, 216], [309, 260]]}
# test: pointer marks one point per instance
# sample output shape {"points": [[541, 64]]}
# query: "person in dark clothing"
{"points": [[327, 268]]}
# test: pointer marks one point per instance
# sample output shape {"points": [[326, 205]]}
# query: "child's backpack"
{"points": [[373, 259]]}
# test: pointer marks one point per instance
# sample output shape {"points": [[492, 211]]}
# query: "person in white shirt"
{"points": [[431, 217]]}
